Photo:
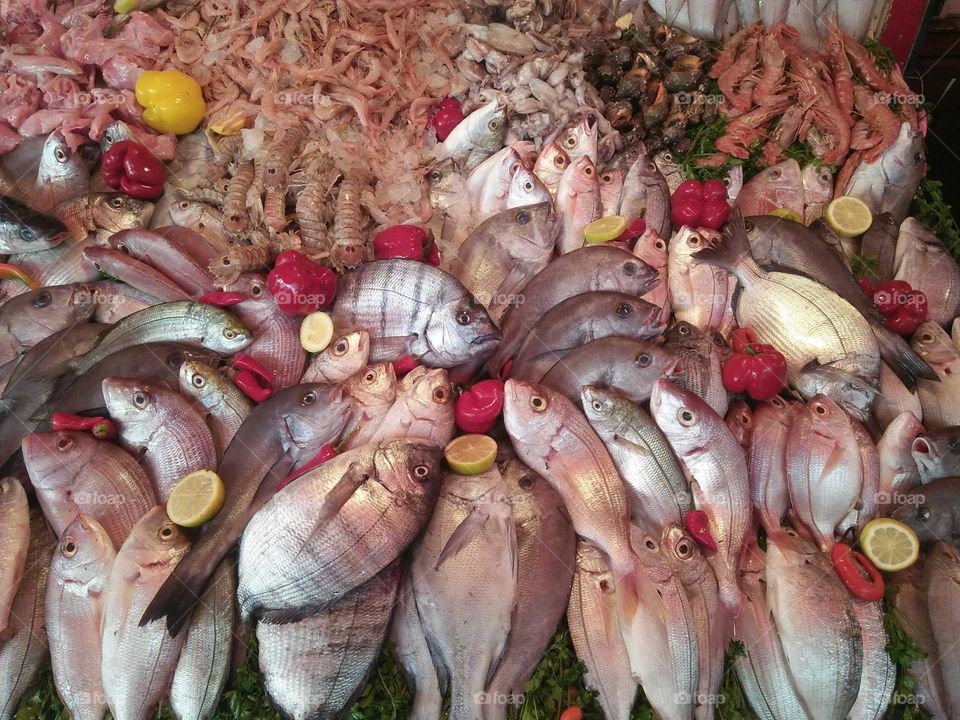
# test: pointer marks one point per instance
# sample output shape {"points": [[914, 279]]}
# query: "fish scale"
{"points": [[14, 542], [413, 655], [767, 467], [942, 580]]}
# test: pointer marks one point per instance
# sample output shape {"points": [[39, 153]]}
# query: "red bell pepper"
{"points": [[903, 308], [100, 427], [699, 205], [756, 369], [404, 365], [129, 167], [689, 190], [477, 409], [326, 452], [714, 190], [698, 525], [686, 211], [299, 285], [252, 378], [410, 242], [714, 214], [446, 115], [857, 573], [890, 295]]}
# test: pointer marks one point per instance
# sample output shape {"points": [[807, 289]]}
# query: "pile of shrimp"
{"points": [[839, 101]]}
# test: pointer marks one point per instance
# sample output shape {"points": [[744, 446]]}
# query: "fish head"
{"points": [[518, 227], [552, 160], [931, 511], [59, 165], [651, 249], [140, 407], [607, 410], [684, 336], [779, 184], [579, 139], [827, 415], [84, 553], [683, 553], [430, 397], [579, 178], [932, 343], [776, 410], [187, 213], [54, 459], [648, 548], [155, 540], [611, 178], [445, 184], [786, 548], [905, 157], [376, 384], [525, 487], [199, 380], [687, 421], [484, 128], [115, 211], [27, 230], [40, 313], [346, 355], [630, 275], [461, 331], [533, 415], [629, 317], [115, 132], [739, 419], [223, 333], [527, 189], [311, 415], [408, 466], [936, 453], [817, 183]]}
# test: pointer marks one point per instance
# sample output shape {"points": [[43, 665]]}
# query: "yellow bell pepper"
{"points": [[172, 101]]}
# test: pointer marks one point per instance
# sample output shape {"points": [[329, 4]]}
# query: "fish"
{"points": [[358, 526], [817, 191], [579, 139], [889, 183], [941, 577], [611, 185], [819, 632], [652, 249], [894, 398], [646, 194], [73, 473], [161, 428], [280, 434], [878, 248], [546, 560], [139, 275], [502, 253], [14, 543], [629, 366], [31, 317], [658, 491], [550, 166], [225, 406], [698, 357], [936, 453], [779, 187], [879, 675], [413, 654], [25, 230], [374, 391], [101, 214], [578, 202], [478, 136], [824, 471], [931, 511], [204, 664], [596, 635], [62, 175], [668, 167], [138, 662], [471, 534], [938, 399], [411, 308], [854, 395], [345, 356], [488, 186], [739, 419], [178, 252], [896, 449], [424, 409], [699, 294], [22, 656], [579, 320], [117, 300], [767, 461], [801, 318], [73, 606], [717, 468], [584, 270], [910, 603], [318, 666], [923, 261]]}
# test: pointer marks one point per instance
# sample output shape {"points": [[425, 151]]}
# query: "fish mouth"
{"points": [[486, 337]]}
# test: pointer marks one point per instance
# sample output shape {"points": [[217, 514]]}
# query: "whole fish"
{"points": [[137, 274], [941, 577], [652, 249], [204, 664], [423, 409], [879, 675], [225, 404], [550, 166], [698, 356], [346, 356], [611, 185], [578, 202], [894, 398], [699, 294], [470, 535], [773, 188], [938, 400], [278, 435], [923, 261], [800, 317], [854, 395], [488, 186], [317, 667], [161, 427], [580, 320], [358, 523], [31, 317], [658, 492], [374, 391], [24, 230], [584, 270], [629, 366], [866, 506], [899, 472], [932, 512], [73, 605], [411, 308], [62, 174], [769, 490], [889, 183], [595, 632], [60, 265], [579, 139], [138, 661], [413, 655], [74, 473], [546, 559], [878, 248], [476, 138], [716, 466], [739, 419], [504, 252], [22, 656], [812, 612], [817, 191], [646, 194], [937, 453], [14, 542], [178, 252], [910, 603]]}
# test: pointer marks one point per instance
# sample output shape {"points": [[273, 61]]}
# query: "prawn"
{"points": [[840, 68], [227, 268], [726, 57], [236, 219], [310, 202], [737, 73], [348, 223], [773, 56]]}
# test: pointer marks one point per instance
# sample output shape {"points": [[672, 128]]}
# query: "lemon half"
{"points": [[890, 544], [605, 229], [848, 216], [471, 454], [195, 499]]}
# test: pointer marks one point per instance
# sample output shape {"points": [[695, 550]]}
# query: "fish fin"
{"points": [[464, 533], [731, 249], [177, 597], [285, 616], [902, 359], [392, 347], [341, 492]]}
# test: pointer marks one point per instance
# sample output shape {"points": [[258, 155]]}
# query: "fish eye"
{"points": [[820, 409], [175, 360], [606, 178], [686, 416], [124, 249], [623, 310], [748, 224], [494, 124], [919, 158], [630, 268], [256, 290], [308, 399], [923, 513], [441, 395], [694, 239], [341, 347], [597, 405], [605, 586], [650, 544], [166, 531], [668, 157], [718, 340], [370, 376], [229, 333], [571, 141], [184, 204], [64, 443], [776, 401], [560, 161], [98, 267], [538, 403], [588, 171], [68, 547], [198, 381], [659, 244], [60, 154], [528, 186], [683, 329], [463, 318], [140, 399], [927, 337], [115, 202], [775, 174], [421, 471], [684, 550], [644, 359], [271, 170], [434, 176], [526, 482], [42, 299], [523, 217], [27, 234]]}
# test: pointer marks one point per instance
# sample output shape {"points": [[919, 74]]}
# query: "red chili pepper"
{"points": [[857, 573], [445, 117], [714, 190], [635, 229], [698, 525], [252, 386], [477, 409], [242, 361], [327, 452], [128, 166], [104, 429], [222, 298], [15, 272], [299, 285], [714, 214], [866, 285], [404, 365], [100, 427], [756, 369]]}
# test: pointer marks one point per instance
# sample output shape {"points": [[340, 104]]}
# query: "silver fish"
{"points": [[14, 542], [347, 355], [923, 261], [374, 391], [698, 357], [941, 575], [476, 138], [669, 168], [699, 294], [937, 453], [25, 230], [931, 511], [225, 404], [896, 450], [62, 174], [767, 461], [889, 183], [413, 655], [27, 319], [938, 400], [850, 392], [879, 675]]}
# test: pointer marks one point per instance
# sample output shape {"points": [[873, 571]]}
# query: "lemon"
{"points": [[605, 229], [125, 6], [471, 454], [848, 216], [196, 498], [316, 332], [787, 214], [890, 544]]}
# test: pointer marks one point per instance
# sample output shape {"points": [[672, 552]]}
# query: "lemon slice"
{"points": [[605, 229], [848, 216], [125, 6], [471, 454], [316, 332], [890, 544], [196, 498], [787, 214]]}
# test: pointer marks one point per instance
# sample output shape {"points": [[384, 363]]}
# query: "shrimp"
{"points": [[746, 129], [737, 73], [274, 210], [228, 267], [236, 218], [349, 222], [840, 68], [862, 62], [773, 55], [783, 135], [310, 202], [224, 151], [283, 152], [882, 121], [726, 56]]}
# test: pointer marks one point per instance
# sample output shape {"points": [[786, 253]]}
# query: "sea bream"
{"points": [[476, 138], [890, 183], [578, 202], [924, 262]]}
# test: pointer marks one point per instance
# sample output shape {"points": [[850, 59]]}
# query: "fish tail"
{"points": [[901, 358], [731, 250], [177, 597]]}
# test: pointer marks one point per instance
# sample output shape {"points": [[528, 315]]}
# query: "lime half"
{"points": [[195, 499], [471, 454]]}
